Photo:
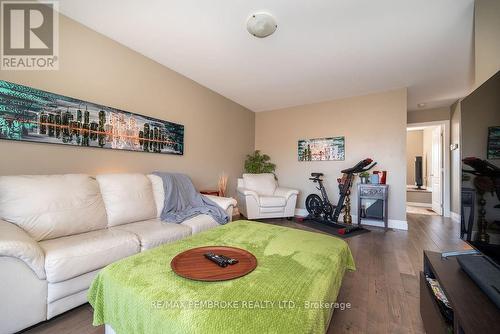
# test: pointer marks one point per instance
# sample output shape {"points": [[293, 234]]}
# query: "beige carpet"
{"points": [[420, 210]]}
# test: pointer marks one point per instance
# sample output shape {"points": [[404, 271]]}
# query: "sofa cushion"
{"points": [[52, 206], [200, 223], [59, 290], [158, 193], [272, 201], [152, 233], [128, 198], [262, 184], [68, 257]]}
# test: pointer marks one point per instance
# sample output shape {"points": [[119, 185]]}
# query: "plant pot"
{"points": [[364, 179]]}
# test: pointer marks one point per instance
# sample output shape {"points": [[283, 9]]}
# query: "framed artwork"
{"points": [[29, 114], [493, 142], [322, 149]]}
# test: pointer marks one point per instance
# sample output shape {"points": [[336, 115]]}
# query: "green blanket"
{"points": [[292, 290]]}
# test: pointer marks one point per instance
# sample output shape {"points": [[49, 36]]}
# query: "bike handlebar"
{"points": [[360, 167]]}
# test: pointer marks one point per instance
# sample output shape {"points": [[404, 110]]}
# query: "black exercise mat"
{"points": [[332, 228]]}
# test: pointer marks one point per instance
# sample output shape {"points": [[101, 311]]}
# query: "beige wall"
{"points": [[218, 132], [487, 63], [428, 115], [414, 148], [487, 39], [373, 125]]}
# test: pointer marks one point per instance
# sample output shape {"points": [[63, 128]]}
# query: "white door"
{"points": [[437, 171]]}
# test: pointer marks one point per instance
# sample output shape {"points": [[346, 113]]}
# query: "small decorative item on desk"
{"points": [[383, 176], [374, 178], [364, 177], [363, 211]]}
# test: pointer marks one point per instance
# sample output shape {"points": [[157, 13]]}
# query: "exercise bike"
{"points": [[320, 207]]}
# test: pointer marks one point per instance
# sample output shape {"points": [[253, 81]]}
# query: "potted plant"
{"points": [[258, 163], [364, 177]]}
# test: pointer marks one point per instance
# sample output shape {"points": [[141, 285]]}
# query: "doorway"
{"points": [[427, 169]]}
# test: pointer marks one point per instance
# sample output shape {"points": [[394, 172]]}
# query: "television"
{"points": [[419, 182], [479, 119], [480, 159]]}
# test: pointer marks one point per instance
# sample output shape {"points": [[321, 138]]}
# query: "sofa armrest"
{"points": [[248, 192], [223, 202], [285, 192], [15, 242]]}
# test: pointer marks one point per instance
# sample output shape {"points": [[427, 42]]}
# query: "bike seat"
{"points": [[316, 175]]}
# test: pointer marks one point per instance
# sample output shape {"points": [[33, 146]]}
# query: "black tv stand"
{"points": [[473, 311], [484, 272]]}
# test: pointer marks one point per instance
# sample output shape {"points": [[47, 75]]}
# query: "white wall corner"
{"points": [[455, 217]]}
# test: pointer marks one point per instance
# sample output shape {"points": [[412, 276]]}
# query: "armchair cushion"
{"points": [[285, 192], [15, 242], [248, 192], [272, 201], [262, 184]]}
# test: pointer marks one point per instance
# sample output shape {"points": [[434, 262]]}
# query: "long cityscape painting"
{"points": [[29, 114], [322, 149]]}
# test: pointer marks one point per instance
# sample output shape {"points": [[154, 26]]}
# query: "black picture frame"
{"points": [[493, 148]]}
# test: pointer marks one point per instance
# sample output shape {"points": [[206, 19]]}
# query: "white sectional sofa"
{"points": [[58, 231]]}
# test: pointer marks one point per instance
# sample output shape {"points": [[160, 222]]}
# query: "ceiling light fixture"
{"points": [[421, 105], [261, 25]]}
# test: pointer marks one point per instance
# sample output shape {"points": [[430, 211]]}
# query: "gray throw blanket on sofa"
{"points": [[182, 201]]}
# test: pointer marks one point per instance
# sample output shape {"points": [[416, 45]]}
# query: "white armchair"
{"points": [[259, 196]]}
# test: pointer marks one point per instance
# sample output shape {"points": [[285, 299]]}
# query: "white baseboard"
{"points": [[455, 217], [392, 223], [423, 205]]}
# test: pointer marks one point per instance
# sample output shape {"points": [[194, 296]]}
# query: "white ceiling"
{"points": [[322, 49]]}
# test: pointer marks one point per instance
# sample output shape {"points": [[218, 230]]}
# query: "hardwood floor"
{"points": [[383, 291]]}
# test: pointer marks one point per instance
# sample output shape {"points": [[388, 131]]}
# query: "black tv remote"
{"points": [[217, 259], [229, 260]]}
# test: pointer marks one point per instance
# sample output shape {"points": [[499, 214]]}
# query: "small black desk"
{"points": [[375, 192]]}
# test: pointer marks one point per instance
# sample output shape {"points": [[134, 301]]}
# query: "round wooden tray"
{"points": [[192, 264]]}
